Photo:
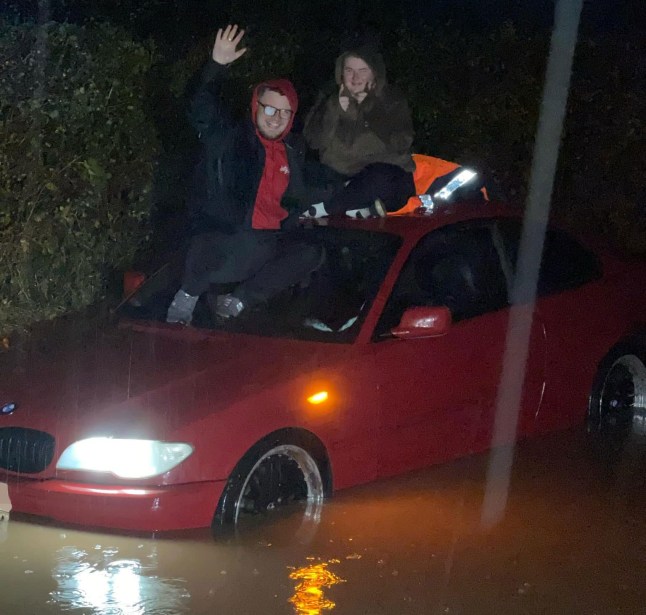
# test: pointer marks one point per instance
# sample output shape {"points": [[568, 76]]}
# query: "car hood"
{"points": [[140, 382]]}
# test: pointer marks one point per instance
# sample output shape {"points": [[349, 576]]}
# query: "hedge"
{"points": [[77, 151]]}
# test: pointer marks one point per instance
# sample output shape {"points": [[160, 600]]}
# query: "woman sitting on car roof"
{"points": [[363, 132]]}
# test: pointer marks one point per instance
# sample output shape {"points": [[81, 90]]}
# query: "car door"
{"points": [[438, 394], [581, 313]]}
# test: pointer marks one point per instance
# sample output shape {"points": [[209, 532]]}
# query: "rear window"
{"points": [[565, 262]]}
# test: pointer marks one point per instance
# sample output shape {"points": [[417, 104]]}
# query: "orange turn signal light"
{"points": [[318, 398]]}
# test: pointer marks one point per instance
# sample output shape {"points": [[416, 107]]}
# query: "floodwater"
{"points": [[572, 540]]}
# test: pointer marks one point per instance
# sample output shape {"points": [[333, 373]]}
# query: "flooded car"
{"points": [[387, 359]]}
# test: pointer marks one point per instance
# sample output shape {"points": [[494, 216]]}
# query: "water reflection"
{"points": [[309, 598], [4, 526], [99, 580], [407, 545], [295, 523]]}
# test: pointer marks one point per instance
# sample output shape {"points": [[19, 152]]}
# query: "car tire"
{"points": [[617, 404], [283, 467]]}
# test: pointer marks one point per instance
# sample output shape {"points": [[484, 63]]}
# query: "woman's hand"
{"points": [[361, 96], [224, 49], [344, 98]]}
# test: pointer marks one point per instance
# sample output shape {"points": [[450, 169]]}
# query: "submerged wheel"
{"points": [[618, 401], [281, 472]]}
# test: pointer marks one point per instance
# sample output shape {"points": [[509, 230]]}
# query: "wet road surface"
{"points": [[572, 540]]}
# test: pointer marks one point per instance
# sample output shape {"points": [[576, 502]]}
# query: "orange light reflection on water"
{"points": [[309, 598]]}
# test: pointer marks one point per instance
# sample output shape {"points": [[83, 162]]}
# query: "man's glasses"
{"points": [[271, 111]]}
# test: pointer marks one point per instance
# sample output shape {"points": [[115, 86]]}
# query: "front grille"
{"points": [[25, 450]]}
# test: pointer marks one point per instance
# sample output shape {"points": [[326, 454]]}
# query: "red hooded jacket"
{"points": [[267, 211]]}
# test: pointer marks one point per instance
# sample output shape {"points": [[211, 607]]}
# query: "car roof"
{"points": [[414, 224]]}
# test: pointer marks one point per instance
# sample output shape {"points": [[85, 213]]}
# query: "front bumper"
{"points": [[149, 509]]}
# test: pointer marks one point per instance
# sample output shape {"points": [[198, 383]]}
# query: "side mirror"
{"points": [[418, 322]]}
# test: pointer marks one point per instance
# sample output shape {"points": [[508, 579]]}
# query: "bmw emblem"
{"points": [[9, 408]]}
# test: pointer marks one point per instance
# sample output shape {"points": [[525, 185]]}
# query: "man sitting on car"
{"points": [[249, 190]]}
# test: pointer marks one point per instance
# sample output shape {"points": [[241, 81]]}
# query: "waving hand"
{"points": [[224, 49]]}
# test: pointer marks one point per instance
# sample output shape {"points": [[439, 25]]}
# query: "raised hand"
{"points": [[226, 42]]}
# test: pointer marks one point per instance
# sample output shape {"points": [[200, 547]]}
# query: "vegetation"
{"points": [[76, 162]]}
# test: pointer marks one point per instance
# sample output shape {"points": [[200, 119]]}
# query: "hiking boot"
{"points": [[228, 306], [181, 308]]}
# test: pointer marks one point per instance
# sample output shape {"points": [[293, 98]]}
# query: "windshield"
{"points": [[328, 306]]}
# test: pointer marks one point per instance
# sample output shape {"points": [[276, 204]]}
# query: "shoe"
{"points": [[227, 306], [181, 308], [359, 214], [376, 210], [315, 211]]}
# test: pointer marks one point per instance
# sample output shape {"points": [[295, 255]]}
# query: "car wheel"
{"points": [[281, 472], [618, 401]]}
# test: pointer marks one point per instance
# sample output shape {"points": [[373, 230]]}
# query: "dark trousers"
{"points": [[264, 262], [379, 180]]}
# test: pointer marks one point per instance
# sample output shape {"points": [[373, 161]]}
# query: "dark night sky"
{"points": [[604, 15]]}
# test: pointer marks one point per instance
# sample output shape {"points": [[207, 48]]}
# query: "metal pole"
{"points": [[546, 149]]}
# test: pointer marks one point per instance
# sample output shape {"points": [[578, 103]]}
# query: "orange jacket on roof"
{"points": [[427, 170]]}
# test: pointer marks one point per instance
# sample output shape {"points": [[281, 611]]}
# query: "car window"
{"points": [[328, 306], [457, 267], [565, 262]]}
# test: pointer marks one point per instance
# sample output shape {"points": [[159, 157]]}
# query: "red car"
{"points": [[388, 359]]}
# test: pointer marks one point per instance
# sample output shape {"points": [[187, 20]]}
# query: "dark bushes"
{"points": [[76, 162]]}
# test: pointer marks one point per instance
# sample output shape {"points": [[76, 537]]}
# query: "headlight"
{"points": [[126, 458]]}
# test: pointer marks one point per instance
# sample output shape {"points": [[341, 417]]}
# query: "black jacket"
{"points": [[231, 162]]}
